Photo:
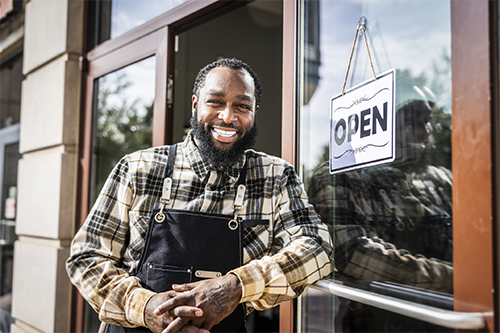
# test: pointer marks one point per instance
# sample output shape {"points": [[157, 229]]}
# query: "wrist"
{"points": [[236, 285]]}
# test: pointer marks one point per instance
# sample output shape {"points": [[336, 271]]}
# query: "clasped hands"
{"points": [[193, 307]]}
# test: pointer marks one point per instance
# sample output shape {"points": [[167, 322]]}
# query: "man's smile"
{"points": [[224, 135]]}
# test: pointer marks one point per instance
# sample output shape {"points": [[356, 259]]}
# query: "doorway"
{"points": [[132, 66], [253, 34]]}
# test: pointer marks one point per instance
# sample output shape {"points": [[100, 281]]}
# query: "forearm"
{"points": [[115, 295], [274, 279]]}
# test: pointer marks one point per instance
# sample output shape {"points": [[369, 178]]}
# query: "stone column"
{"points": [[50, 109]]}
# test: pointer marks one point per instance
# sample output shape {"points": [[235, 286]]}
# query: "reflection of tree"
{"points": [[121, 126]]}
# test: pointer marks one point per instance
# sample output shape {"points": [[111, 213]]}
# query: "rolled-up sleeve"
{"points": [[304, 252], [96, 264]]}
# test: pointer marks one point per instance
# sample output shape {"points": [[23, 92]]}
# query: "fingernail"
{"points": [[198, 313]]}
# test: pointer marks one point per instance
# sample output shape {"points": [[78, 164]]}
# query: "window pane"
{"points": [[115, 17], [391, 223], [123, 117], [11, 77], [122, 123]]}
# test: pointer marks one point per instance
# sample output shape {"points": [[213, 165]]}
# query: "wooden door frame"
{"points": [[472, 163], [289, 118]]}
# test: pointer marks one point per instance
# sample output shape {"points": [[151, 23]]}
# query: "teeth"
{"points": [[224, 133]]}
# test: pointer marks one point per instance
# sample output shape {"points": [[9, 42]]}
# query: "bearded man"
{"points": [[193, 236]]}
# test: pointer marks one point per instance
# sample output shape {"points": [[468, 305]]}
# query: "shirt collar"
{"points": [[201, 167]]}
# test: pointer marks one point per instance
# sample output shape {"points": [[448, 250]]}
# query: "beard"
{"points": [[222, 157]]}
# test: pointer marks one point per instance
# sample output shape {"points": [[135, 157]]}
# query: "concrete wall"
{"points": [[48, 169]]}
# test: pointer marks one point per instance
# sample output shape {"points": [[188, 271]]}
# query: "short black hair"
{"points": [[232, 64]]}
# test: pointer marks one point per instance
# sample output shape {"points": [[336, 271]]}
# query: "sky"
{"points": [[402, 34]]}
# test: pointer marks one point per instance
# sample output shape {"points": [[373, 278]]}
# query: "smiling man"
{"points": [[193, 236], [224, 111]]}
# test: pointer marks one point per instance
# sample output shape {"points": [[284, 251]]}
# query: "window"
{"points": [[391, 223]]}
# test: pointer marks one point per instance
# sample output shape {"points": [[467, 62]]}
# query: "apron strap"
{"points": [[167, 183], [171, 161]]}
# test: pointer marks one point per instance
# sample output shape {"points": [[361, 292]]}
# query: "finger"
{"points": [[184, 287], [177, 324], [181, 299], [187, 311], [192, 329]]}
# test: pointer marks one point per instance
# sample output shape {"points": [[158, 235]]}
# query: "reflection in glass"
{"points": [[391, 223], [8, 236], [122, 123], [11, 78], [116, 17]]}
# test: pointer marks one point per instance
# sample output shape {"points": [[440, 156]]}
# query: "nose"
{"points": [[227, 115]]}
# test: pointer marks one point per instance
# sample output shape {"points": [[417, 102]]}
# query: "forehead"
{"points": [[223, 79]]}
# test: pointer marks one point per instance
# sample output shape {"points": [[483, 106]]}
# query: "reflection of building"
{"points": [[311, 48]]}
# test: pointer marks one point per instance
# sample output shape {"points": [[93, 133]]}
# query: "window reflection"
{"points": [[122, 123], [123, 117], [11, 77], [393, 222], [116, 17]]}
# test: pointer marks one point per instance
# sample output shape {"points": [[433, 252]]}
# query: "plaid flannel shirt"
{"points": [[280, 260]]}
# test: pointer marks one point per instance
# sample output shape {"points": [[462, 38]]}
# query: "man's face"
{"points": [[226, 106], [225, 113]]}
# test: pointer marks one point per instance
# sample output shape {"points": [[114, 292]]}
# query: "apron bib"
{"points": [[187, 246]]}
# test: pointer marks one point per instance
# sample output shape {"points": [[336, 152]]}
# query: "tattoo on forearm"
{"points": [[222, 302]]}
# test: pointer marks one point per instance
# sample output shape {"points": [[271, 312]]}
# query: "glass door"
{"points": [[392, 223]]}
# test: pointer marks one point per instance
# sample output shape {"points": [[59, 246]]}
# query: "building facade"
{"points": [[84, 82]]}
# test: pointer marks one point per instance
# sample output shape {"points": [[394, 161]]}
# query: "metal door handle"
{"points": [[447, 318]]}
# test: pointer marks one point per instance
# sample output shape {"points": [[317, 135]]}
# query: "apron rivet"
{"points": [[160, 217], [233, 224]]}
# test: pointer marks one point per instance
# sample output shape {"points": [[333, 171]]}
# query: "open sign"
{"points": [[362, 131]]}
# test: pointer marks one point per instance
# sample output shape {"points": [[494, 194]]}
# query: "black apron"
{"points": [[187, 246]]}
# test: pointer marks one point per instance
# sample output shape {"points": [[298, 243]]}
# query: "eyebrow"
{"points": [[243, 97]]}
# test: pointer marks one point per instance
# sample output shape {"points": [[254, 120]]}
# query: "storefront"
{"points": [[418, 226]]}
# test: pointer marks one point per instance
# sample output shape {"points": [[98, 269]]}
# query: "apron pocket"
{"points": [[159, 278]]}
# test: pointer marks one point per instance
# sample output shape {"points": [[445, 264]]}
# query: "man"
{"points": [[120, 258]]}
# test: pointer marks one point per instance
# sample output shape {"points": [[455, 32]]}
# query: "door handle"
{"points": [[430, 314]]}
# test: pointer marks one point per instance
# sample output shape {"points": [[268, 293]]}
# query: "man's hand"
{"points": [[216, 297], [181, 315]]}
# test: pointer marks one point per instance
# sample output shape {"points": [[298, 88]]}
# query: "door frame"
{"points": [[472, 159]]}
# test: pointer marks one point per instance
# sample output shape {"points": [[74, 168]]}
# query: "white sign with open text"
{"points": [[362, 131]]}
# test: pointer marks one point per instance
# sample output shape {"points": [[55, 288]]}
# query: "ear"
{"points": [[194, 103], [256, 109]]}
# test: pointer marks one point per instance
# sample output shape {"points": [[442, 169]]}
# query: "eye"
{"points": [[245, 107], [214, 101]]}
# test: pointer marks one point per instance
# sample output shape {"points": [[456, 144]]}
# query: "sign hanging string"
{"points": [[361, 26]]}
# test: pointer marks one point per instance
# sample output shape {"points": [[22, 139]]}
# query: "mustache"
{"points": [[222, 123]]}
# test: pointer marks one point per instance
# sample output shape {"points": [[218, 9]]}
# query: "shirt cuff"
{"points": [[136, 305], [252, 282]]}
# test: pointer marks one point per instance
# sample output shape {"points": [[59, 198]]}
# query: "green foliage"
{"points": [[120, 125]]}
